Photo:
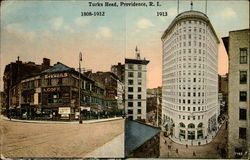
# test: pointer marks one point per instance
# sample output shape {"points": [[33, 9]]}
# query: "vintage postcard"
{"points": [[124, 79]]}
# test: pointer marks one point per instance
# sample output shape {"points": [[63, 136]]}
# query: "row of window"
{"points": [[130, 111], [131, 96], [190, 135], [131, 89], [132, 66], [131, 82], [191, 117], [131, 104], [191, 125], [131, 74]]}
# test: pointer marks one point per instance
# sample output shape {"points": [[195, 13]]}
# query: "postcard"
{"points": [[124, 79]]}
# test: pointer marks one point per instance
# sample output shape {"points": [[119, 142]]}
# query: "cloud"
{"points": [[80, 21], [104, 32], [16, 29], [57, 23], [144, 23], [228, 13]]}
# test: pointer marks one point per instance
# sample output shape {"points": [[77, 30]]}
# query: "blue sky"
{"points": [[56, 30]]}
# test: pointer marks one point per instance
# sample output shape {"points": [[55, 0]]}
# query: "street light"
{"points": [[80, 59]]}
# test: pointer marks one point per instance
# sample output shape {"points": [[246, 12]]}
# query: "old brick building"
{"points": [[16, 71]]}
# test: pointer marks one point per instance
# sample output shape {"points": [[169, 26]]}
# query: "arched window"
{"points": [[191, 125], [200, 125], [182, 125]]}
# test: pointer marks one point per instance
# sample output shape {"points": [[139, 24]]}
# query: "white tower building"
{"points": [[190, 79], [135, 87]]}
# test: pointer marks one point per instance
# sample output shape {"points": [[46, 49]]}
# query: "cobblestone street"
{"points": [[20, 139], [211, 150]]}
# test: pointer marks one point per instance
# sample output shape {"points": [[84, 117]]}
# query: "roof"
{"points": [[136, 134], [59, 67], [136, 61], [189, 14]]}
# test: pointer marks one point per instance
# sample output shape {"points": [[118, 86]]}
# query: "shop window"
{"points": [[199, 134], [182, 134]]}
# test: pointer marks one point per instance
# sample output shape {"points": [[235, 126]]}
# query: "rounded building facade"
{"points": [[190, 78]]}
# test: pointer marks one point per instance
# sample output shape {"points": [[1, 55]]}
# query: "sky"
{"points": [[56, 30]]}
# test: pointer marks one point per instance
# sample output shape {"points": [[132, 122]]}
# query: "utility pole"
{"points": [[80, 59]]}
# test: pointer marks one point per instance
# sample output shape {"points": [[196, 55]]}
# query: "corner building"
{"points": [[190, 80]]}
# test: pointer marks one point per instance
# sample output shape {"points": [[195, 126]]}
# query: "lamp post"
{"points": [[80, 59]]}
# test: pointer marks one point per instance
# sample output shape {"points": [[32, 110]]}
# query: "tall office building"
{"points": [[237, 46], [190, 79], [135, 87]]}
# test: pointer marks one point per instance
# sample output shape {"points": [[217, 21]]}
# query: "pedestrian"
{"points": [[186, 145], [176, 150], [194, 153], [165, 142]]}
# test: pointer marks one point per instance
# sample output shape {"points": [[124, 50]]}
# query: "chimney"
{"points": [[46, 63]]}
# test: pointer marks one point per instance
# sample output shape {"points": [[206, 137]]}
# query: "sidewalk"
{"points": [[60, 122]]}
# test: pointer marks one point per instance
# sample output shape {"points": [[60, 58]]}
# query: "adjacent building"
{"points": [[190, 78], [154, 108], [18, 70], [135, 87], [237, 46]]}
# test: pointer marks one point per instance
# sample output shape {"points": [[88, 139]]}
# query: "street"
{"points": [[211, 150], [20, 139]]}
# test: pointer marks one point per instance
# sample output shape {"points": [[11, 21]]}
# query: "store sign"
{"points": [[51, 89], [56, 75], [64, 110]]}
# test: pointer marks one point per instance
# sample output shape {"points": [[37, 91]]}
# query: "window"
{"points": [[139, 89], [182, 125], [199, 134], [243, 114], [139, 75], [139, 96], [138, 111], [139, 104], [139, 67], [130, 74], [130, 82], [191, 125], [59, 81], [130, 89], [242, 133], [243, 56], [130, 66], [243, 96], [139, 82], [130, 96], [130, 104], [130, 111], [48, 82], [243, 77]]}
